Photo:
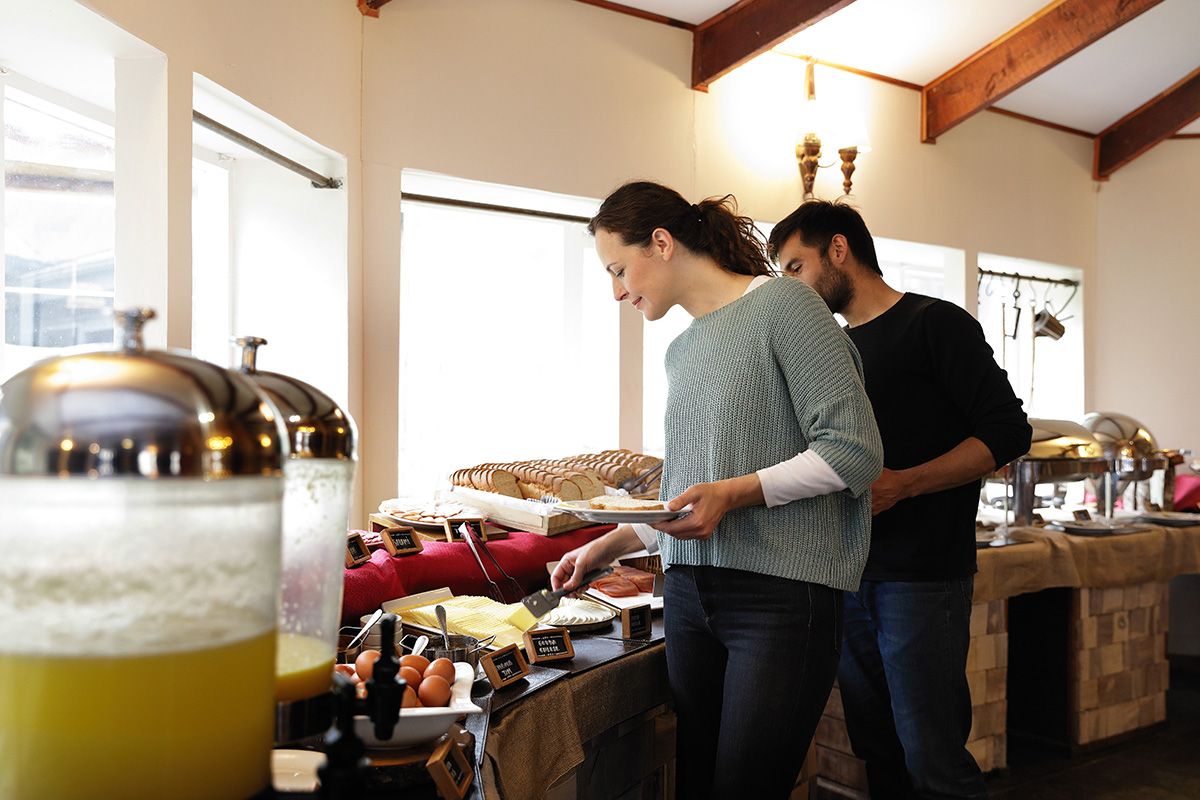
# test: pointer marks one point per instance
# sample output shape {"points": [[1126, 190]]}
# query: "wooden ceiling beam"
{"points": [[1145, 127], [1058, 31], [751, 27]]}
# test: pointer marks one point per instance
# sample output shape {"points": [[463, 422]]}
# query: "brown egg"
{"points": [[410, 698], [411, 677], [419, 663], [434, 691], [364, 665], [443, 667], [345, 669]]}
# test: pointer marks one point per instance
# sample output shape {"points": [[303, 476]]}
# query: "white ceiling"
{"points": [[918, 40]]}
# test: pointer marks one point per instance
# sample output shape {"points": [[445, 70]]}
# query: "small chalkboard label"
{"points": [[548, 644], [476, 525], [1154, 508], [1082, 515], [1036, 519], [401, 541], [357, 551], [450, 770], [504, 666], [635, 622]]}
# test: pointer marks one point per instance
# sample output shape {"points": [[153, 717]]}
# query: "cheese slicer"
{"points": [[539, 604]]}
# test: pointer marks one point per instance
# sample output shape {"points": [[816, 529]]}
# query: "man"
{"points": [[948, 417]]}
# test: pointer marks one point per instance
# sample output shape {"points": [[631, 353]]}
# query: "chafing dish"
{"points": [[1061, 451]]}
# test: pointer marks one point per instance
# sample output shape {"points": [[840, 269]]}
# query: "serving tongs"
{"points": [[639, 483], [476, 544]]}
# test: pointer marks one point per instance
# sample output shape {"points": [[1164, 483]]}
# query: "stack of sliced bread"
{"points": [[573, 478]]}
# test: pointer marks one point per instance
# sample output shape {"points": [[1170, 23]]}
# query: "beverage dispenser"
{"points": [[318, 478], [139, 560]]}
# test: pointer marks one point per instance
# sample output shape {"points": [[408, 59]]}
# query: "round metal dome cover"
{"points": [[132, 413], [1060, 438], [316, 426], [1121, 436]]}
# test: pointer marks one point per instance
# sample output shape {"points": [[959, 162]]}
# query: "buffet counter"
{"points": [[1068, 645], [1068, 634]]}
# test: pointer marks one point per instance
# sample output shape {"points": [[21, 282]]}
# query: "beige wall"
{"points": [[567, 97], [1146, 293]]}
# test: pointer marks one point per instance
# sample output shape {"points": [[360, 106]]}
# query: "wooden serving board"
{"points": [[515, 517]]}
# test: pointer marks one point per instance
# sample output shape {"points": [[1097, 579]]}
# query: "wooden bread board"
{"points": [[520, 519]]}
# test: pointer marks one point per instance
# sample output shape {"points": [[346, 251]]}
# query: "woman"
{"points": [[771, 441]]}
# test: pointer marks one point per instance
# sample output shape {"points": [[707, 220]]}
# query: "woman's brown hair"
{"points": [[711, 227]]}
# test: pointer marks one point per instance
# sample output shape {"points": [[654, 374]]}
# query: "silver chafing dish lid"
{"points": [[1127, 442], [129, 412], [1061, 439], [316, 426], [1061, 450]]}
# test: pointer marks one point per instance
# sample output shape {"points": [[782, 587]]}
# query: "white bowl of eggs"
{"points": [[430, 706]]}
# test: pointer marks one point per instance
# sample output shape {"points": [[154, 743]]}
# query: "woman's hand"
{"points": [[593, 555], [710, 502]]}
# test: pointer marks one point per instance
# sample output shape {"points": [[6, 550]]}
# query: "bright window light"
{"points": [[59, 228], [508, 333]]}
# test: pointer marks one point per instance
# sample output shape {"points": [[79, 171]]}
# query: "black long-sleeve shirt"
{"points": [[933, 382]]}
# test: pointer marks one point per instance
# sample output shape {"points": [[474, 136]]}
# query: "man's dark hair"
{"points": [[817, 222]]}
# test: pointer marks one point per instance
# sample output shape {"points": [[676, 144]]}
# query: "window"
{"points": [[1047, 374], [508, 331], [269, 249], [59, 229]]}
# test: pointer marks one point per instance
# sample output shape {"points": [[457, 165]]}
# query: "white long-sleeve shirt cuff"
{"points": [[805, 475], [648, 536]]}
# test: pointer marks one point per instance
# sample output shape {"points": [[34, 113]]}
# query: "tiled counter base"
{"points": [[1119, 661]]}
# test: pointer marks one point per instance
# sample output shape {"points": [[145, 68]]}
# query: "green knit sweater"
{"points": [[750, 385]]}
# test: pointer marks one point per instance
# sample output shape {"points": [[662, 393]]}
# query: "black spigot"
{"points": [[385, 691], [344, 774]]}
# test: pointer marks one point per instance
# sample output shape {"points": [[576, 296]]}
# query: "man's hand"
{"points": [[888, 489]]}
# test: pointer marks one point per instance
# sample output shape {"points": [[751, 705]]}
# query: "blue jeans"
{"points": [[904, 687], [751, 660]]}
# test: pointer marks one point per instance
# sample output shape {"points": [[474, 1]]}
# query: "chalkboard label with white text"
{"points": [[401, 541], [504, 666], [548, 644], [635, 622], [450, 770]]}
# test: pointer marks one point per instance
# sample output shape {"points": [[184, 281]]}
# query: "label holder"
{"points": [[636, 622], [548, 644], [357, 552], [451, 771], [401, 540], [504, 666]]}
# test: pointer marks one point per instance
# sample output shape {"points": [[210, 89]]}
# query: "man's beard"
{"points": [[834, 286]]}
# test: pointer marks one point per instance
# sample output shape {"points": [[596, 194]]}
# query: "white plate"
{"points": [[420, 725], [579, 508], [639, 599], [1174, 519], [1094, 527], [601, 615], [397, 505]]}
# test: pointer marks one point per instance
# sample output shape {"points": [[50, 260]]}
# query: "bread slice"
{"points": [[616, 502]]}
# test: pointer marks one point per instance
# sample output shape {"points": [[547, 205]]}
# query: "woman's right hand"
{"points": [[593, 555]]}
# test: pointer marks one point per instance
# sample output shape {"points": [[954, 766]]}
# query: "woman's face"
{"points": [[639, 274]]}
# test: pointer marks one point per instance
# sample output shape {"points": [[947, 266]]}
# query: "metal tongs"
{"points": [[639, 483], [476, 544]]}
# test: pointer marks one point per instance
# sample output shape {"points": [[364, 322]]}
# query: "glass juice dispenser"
{"points": [[318, 478], [139, 560]]}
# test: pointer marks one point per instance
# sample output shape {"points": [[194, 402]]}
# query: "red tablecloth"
{"points": [[523, 556]]}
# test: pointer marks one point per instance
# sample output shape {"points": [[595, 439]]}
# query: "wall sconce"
{"points": [[819, 118]]}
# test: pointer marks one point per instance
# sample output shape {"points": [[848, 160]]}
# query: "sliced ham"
{"points": [[615, 586]]}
